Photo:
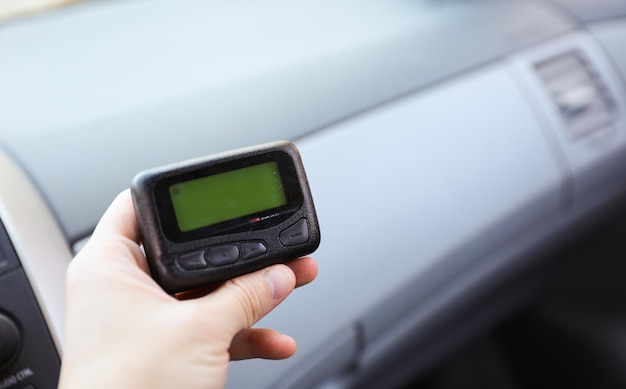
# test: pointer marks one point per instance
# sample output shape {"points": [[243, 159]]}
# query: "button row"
{"points": [[221, 255], [297, 233]]}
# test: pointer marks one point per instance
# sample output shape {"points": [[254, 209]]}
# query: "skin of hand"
{"points": [[123, 331]]}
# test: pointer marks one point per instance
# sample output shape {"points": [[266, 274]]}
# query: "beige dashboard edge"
{"points": [[38, 241]]}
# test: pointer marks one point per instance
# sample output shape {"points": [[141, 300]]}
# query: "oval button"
{"points": [[192, 261], [222, 255], [297, 234], [252, 249]]}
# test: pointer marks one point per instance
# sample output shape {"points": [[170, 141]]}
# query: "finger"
{"points": [[244, 300], [261, 343], [120, 218], [198, 292], [117, 233], [305, 269]]}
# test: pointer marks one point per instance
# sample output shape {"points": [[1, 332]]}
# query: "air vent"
{"points": [[578, 93]]}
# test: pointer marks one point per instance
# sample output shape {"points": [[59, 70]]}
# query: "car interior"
{"points": [[467, 160]]}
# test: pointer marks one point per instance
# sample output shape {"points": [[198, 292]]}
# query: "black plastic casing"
{"points": [[163, 250]]}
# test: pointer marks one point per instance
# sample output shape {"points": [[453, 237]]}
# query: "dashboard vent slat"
{"points": [[578, 93]]}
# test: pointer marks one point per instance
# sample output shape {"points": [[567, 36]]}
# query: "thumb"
{"points": [[246, 299]]}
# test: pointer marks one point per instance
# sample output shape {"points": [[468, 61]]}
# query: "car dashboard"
{"points": [[448, 146]]}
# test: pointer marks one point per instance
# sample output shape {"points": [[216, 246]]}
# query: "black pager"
{"points": [[210, 219]]}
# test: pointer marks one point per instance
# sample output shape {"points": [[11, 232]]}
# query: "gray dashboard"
{"points": [[441, 144], [121, 89]]}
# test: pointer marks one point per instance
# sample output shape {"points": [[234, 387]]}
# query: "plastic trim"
{"points": [[38, 242]]}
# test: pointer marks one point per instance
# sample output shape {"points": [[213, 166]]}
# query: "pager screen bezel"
{"points": [[252, 222]]}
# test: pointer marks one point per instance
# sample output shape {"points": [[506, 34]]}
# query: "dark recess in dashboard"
{"points": [[28, 358]]}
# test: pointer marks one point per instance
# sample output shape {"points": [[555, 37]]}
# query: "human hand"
{"points": [[123, 331]]}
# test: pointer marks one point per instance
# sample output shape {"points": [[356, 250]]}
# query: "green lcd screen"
{"points": [[210, 200]]}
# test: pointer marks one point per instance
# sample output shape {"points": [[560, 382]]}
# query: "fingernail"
{"points": [[280, 281]]}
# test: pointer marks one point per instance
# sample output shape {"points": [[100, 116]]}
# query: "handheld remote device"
{"points": [[206, 220]]}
